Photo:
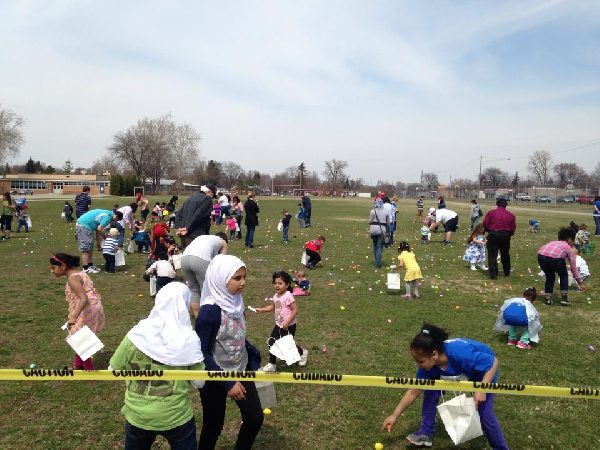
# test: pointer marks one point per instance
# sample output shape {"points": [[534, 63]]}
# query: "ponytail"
{"points": [[429, 339]]}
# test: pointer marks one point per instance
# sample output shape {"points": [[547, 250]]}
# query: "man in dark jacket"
{"points": [[307, 209], [251, 219], [500, 225], [193, 219]]}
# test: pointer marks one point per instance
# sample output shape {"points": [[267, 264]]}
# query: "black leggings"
{"points": [[214, 401], [313, 257], [551, 267], [279, 333]]}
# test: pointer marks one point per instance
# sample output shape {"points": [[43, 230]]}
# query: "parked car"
{"points": [[585, 199], [566, 199], [543, 199], [523, 197]]}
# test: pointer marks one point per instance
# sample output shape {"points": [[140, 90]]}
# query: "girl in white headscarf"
{"points": [[163, 341], [221, 326]]}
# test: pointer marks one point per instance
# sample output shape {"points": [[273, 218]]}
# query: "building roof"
{"points": [[54, 177]]}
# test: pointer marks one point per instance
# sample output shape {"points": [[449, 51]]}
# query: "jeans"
{"points": [[597, 221], [182, 437], [110, 262], [69, 218], [498, 241], [214, 401], [250, 235], [474, 222], [551, 267], [285, 233], [489, 422], [238, 219], [307, 214], [22, 223], [377, 248]]}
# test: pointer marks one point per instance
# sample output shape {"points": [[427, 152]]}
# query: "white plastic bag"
{"points": [[84, 342], [120, 258], [393, 281], [280, 226], [176, 261], [285, 348], [62, 214], [131, 247], [266, 393], [304, 258], [461, 419], [152, 286], [28, 220]]}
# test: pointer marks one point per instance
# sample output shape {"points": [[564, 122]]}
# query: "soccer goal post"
{"points": [[137, 189]]}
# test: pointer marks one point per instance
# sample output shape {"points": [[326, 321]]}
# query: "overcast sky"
{"points": [[392, 87]]}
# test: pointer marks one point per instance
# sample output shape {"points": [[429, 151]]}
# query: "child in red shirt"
{"points": [[313, 251]]}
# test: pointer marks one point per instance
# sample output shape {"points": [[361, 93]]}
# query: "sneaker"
{"points": [[548, 301], [523, 345], [565, 302], [445, 242], [483, 267], [92, 269], [406, 296], [512, 342], [473, 268], [303, 358], [268, 368], [421, 440]]}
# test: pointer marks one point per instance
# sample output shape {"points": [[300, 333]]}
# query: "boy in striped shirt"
{"points": [[109, 248]]}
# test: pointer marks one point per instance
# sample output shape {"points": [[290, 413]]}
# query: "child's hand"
{"points": [[388, 424], [237, 392], [479, 397]]}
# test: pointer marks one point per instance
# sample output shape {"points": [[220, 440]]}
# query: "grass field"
{"points": [[359, 340]]}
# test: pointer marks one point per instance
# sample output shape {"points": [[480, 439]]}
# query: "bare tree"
{"points": [[105, 164], [569, 173], [184, 142], [540, 164], [334, 173], [430, 180], [496, 177], [595, 177], [231, 172], [11, 134]]}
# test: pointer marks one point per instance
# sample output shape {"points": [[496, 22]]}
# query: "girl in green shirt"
{"points": [[8, 210]]}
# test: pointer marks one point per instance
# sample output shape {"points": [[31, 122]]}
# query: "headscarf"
{"points": [[215, 292], [167, 335], [378, 203]]}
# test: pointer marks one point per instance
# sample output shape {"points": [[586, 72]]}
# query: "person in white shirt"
{"points": [[449, 219], [164, 271], [224, 203], [195, 260], [128, 220]]}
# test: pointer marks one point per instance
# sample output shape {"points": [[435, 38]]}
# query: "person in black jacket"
{"points": [[193, 219], [251, 219], [307, 205]]}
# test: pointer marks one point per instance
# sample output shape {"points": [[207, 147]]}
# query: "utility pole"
{"points": [[479, 185]]}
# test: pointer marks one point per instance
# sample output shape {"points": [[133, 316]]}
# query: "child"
{"points": [[85, 304], [425, 234], [163, 341], [157, 209], [68, 210], [232, 227], [437, 356], [285, 221], [407, 259], [22, 218], [582, 238], [519, 317], [300, 216], [109, 248], [141, 238], [286, 311], [221, 327], [582, 267], [313, 251], [551, 258], [163, 269], [303, 288], [217, 214], [475, 252], [534, 225]]}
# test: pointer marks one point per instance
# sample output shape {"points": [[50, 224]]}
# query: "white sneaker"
{"points": [[483, 267], [303, 358], [473, 268], [92, 269], [268, 368]]}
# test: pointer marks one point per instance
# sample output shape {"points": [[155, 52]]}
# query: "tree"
{"points": [[11, 134], [334, 173], [540, 164], [496, 177], [301, 171], [30, 166], [569, 173], [430, 181], [106, 164], [6, 169], [515, 180], [231, 172], [595, 177], [213, 171], [49, 169], [184, 143], [67, 167]]}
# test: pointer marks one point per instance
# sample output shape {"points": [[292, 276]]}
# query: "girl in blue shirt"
{"points": [[438, 357]]}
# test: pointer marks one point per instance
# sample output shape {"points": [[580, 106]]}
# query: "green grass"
{"points": [[359, 340]]}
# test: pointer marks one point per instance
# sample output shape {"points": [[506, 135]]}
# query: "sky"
{"points": [[392, 87]]}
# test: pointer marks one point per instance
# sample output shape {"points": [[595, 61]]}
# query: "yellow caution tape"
{"points": [[332, 379]]}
